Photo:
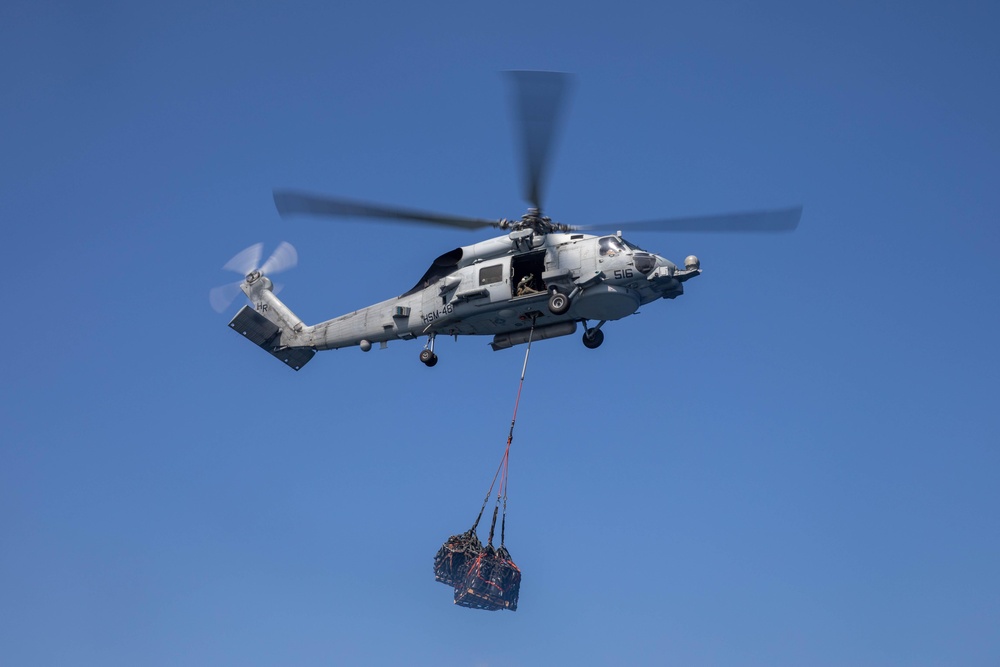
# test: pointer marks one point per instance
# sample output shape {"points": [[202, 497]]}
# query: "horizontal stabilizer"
{"points": [[264, 333]]}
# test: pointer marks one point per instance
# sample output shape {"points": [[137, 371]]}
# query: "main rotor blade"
{"points": [[538, 101], [290, 203], [774, 220]]}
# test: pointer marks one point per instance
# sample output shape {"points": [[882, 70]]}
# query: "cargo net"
{"points": [[492, 582], [455, 556], [484, 577]]}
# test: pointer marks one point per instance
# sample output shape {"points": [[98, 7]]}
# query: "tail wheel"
{"points": [[592, 338], [428, 358], [558, 303]]}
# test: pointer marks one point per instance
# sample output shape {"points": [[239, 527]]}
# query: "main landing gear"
{"points": [[427, 356], [558, 303]]}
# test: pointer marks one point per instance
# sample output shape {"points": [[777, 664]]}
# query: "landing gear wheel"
{"points": [[558, 303], [428, 358], [592, 338]]}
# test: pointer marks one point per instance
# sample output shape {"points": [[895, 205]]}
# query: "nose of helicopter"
{"points": [[665, 263]]}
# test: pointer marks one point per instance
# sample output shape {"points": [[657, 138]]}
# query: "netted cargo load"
{"points": [[508, 576], [492, 583], [453, 559]]}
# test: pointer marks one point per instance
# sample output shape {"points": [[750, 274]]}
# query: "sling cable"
{"points": [[485, 577]]}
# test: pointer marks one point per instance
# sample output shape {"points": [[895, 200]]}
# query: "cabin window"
{"points": [[491, 274]]}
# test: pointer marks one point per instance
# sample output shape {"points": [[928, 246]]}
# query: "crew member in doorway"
{"points": [[525, 287]]}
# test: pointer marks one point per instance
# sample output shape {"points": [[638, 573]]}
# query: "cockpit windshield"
{"points": [[631, 245]]}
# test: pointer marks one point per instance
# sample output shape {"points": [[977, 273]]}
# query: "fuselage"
{"points": [[502, 285]]}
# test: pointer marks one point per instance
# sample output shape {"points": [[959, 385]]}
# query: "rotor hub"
{"points": [[535, 221]]}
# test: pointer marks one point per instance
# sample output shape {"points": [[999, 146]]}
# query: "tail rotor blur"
{"points": [[246, 262]]}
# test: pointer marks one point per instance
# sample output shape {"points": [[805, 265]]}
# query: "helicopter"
{"points": [[539, 280]]}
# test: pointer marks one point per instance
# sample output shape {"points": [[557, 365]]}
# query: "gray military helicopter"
{"points": [[539, 280]]}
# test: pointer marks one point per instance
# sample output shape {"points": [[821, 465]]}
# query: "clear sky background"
{"points": [[795, 463]]}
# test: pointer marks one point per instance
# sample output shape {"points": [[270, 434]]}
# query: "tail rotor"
{"points": [[247, 262]]}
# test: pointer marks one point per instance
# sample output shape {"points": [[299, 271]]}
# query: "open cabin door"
{"points": [[526, 274]]}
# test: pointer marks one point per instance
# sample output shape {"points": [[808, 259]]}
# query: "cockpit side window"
{"points": [[491, 274], [611, 246]]}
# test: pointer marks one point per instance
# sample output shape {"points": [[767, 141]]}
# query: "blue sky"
{"points": [[794, 463]]}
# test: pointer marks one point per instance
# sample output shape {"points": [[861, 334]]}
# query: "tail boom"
{"points": [[271, 325]]}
